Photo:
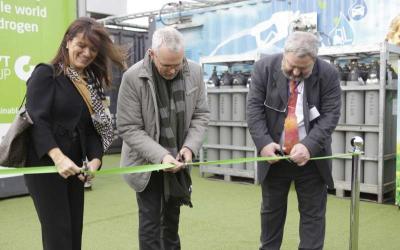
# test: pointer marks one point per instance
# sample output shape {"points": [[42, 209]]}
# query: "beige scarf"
{"points": [[82, 88]]}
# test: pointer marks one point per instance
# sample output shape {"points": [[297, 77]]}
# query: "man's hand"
{"points": [[185, 155], [299, 154], [270, 150], [170, 159]]}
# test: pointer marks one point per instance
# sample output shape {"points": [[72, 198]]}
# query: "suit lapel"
{"points": [[308, 87], [281, 83]]}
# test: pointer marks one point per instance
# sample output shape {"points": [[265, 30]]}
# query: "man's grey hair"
{"points": [[168, 37], [302, 44]]}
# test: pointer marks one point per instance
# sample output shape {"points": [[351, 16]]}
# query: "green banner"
{"points": [[30, 32]]}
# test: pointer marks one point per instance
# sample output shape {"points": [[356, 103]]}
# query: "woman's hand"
{"points": [[64, 165], [93, 166]]}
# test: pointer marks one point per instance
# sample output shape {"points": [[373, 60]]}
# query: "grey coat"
{"points": [[138, 118], [267, 102]]}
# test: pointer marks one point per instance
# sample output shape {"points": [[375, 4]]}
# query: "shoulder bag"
{"points": [[13, 145]]}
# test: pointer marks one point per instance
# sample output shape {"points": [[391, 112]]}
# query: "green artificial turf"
{"points": [[225, 216]]}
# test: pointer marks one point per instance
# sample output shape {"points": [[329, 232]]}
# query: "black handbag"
{"points": [[13, 146]]}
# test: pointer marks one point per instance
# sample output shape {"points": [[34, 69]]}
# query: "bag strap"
{"points": [[22, 103], [84, 92], [54, 77]]}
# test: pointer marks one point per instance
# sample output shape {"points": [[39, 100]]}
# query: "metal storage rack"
{"points": [[250, 169], [386, 126]]}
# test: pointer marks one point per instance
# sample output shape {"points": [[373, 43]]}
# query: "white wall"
{"points": [[108, 7]]}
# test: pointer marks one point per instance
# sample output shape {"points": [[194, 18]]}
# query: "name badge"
{"points": [[314, 113]]}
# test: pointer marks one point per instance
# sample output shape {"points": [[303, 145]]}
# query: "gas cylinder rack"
{"points": [[227, 135], [369, 95]]}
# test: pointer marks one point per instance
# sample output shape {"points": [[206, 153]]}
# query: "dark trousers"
{"points": [[311, 195], [158, 220], [59, 204]]}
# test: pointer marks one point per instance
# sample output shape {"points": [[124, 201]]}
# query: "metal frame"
{"points": [[184, 6], [383, 50], [229, 60]]}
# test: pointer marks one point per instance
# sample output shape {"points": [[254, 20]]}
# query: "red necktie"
{"points": [[290, 128]]}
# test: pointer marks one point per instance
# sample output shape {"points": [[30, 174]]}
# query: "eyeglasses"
{"points": [[169, 66], [303, 69], [275, 109]]}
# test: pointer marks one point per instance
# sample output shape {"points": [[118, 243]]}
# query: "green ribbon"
{"points": [[155, 167]]}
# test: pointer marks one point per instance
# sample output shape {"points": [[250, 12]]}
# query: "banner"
{"points": [[30, 33]]}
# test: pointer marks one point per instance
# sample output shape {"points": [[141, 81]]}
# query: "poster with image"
{"points": [[30, 33]]}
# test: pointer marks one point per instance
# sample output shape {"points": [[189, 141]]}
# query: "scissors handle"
{"points": [[85, 169]]}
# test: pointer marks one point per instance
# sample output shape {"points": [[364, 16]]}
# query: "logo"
{"points": [[358, 10], [22, 67]]}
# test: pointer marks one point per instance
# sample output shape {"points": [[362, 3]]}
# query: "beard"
{"points": [[290, 76]]}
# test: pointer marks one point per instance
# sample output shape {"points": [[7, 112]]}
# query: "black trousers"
{"points": [[311, 195], [59, 204], [158, 220]]}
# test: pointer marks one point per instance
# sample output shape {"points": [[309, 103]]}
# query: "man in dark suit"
{"points": [[293, 108]]}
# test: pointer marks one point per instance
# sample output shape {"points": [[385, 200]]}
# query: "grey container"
{"points": [[342, 118], [212, 138], [213, 132], [338, 147], [213, 104], [225, 105], [371, 139], [354, 104], [371, 150], [249, 154], [225, 139], [238, 133], [239, 139], [225, 133]]}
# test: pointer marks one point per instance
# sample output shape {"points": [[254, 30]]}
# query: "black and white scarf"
{"points": [[100, 114]]}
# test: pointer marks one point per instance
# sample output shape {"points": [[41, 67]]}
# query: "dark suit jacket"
{"points": [[58, 113], [268, 97]]}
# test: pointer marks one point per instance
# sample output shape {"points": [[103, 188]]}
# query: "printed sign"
{"points": [[30, 33]]}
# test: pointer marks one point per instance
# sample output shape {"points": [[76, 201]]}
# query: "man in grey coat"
{"points": [[162, 117], [293, 108]]}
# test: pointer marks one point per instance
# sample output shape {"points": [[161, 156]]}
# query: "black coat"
{"points": [[269, 88], [59, 115]]}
